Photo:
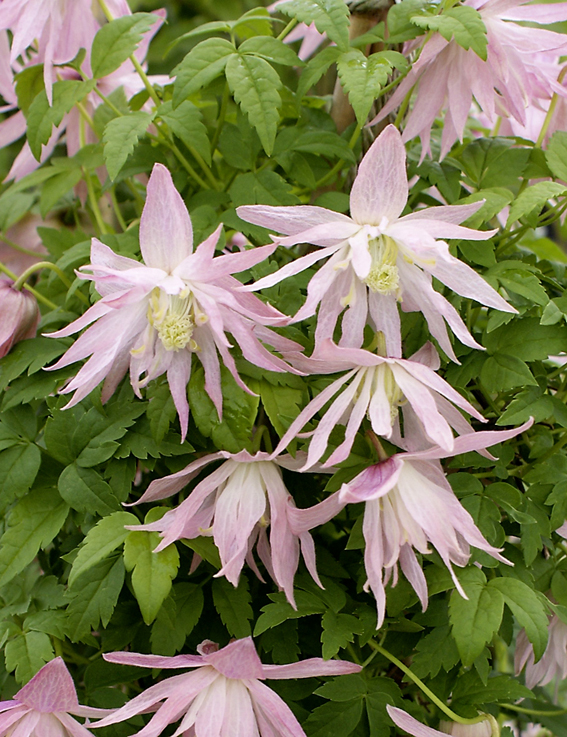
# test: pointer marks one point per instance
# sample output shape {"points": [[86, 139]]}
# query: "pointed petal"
{"points": [[373, 482], [409, 724]]}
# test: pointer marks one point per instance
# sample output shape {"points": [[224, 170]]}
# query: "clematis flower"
{"points": [[235, 504], [43, 706], [552, 664], [378, 258], [409, 504], [376, 387], [513, 78], [20, 315], [154, 316], [60, 28], [485, 728], [224, 697]]}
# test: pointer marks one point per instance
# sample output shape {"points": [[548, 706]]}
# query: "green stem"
{"points": [[290, 26], [427, 691], [20, 281], [16, 247], [116, 207], [94, 204], [109, 103], [551, 110], [144, 77], [222, 115], [537, 712], [558, 445], [31, 290], [403, 107]]}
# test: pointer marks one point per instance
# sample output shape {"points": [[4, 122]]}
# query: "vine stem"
{"points": [[537, 712], [427, 691], [290, 26], [20, 281], [17, 247], [36, 294], [552, 106]]}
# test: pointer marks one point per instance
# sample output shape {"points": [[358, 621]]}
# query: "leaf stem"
{"points": [[21, 280], [290, 26], [36, 294], [537, 712], [222, 115], [16, 247], [551, 110]]}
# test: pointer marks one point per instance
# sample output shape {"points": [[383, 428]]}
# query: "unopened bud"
{"points": [[487, 728], [19, 316]]}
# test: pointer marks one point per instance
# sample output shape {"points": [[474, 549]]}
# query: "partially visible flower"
{"points": [[309, 36], [410, 504], [378, 258], [43, 706], [488, 727], [552, 664], [19, 315], [24, 234], [224, 697], [235, 504], [154, 316], [375, 387], [520, 72]]}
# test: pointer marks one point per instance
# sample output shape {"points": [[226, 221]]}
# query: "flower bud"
{"points": [[487, 728], [19, 316]]}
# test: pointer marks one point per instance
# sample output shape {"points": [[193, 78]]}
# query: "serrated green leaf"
{"points": [[330, 17], [56, 187], [338, 631], [52, 623], [462, 23], [435, 650], [19, 466], [534, 198], [362, 78], [334, 719], [556, 155], [201, 65], [29, 83], [270, 49], [316, 68], [27, 653], [234, 605], [32, 524], [527, 608], [529, 403], [185, 121], [255, 86], [474, 620], [161, 410], [343, 688], [152, 573], [118, 40], [101, 540], [281, 610], [527, 339], [94, 596], [121, 136], [85, 490], [501, 372]]}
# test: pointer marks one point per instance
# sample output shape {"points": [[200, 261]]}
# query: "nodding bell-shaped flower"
{"points": [[20, 315], [224, 696], [42, 708], [552, 664]]}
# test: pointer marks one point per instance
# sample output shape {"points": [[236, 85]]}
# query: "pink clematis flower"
{"points": [[154, 316], [224, 697], [60, 27], [43, 706], [235, 504], [552, 664], [410, 504], [519, 72], [485, 728], [20, 315], [378, 258], [376, 387]]}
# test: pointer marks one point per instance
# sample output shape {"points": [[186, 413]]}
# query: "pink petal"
{"points": [[239, 660], [51, 689], [289, 220], [409, 724], [373, 482]]}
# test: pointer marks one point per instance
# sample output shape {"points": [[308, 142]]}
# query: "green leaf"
{"points": [[161, 410], [469, 689], [362, 78], [529, 403], [94, 595], [121, 136], [281, 610], [85, 490], [32, 524], [101, 540], [239, 411], [201, 65], [152, 573], [330, 17], [338, 631], [315, 69], [435, 650], [556, 155], [271, 49], [118, 40], [282, 403], [29, 83], [501, 372], [462, 23], [527, 608], [334, 719], [527, 339], [255, 86], [19, 466], [262, 188], [185, 121], [534, 198], [234, 605], [474, 621], [27, 653], [343, 688], [52, 623], [56, 188]]}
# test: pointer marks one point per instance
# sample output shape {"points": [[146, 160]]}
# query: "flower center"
{"points": [[383, 276], [174, 317]]}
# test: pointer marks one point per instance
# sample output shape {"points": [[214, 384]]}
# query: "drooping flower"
{"points": [[377, 257], [519, 72], [42, 708], [552, 664], [20, 315], [154, 316], [224, 697], [235, 504], [375, 387], [409, 505], [485, 728]]}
